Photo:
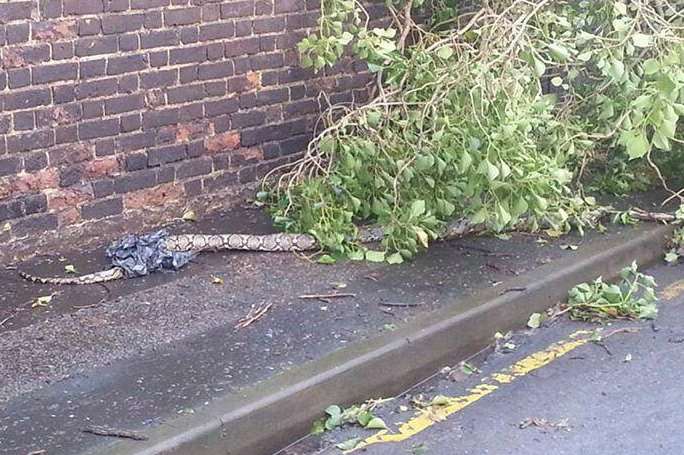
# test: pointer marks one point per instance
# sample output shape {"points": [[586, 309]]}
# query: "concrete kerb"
{"points": [[274, 413]]}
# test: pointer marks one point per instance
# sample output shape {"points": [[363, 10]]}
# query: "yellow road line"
{"points": [[434, 414], [674, 290]]}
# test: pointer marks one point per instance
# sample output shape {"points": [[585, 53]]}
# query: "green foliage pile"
{"points": [[633, 297], [462, 127]]}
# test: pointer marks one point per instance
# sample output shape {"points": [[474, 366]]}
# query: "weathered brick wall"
{"points": [[117, 114]]}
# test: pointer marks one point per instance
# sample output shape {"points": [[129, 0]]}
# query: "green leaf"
{"points": [[535, 321], [326, 259], [376, 423], [445, 52], [417, 208], [651, 66], [636, 143], [559, 52], [375, 256], [395, 258], [642, 40], [348, 444], [671, 257]]}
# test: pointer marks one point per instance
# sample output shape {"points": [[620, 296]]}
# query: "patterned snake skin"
{"points": [[213, 242]]}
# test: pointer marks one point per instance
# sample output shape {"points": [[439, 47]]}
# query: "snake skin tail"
{"points": [[115, 273]]}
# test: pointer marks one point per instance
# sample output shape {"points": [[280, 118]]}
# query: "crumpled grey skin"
{"points": [[140, 255]]}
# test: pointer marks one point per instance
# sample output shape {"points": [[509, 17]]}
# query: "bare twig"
{"points": [[326, 296], [401, 304], [113, 432], [11, 316], [255, 313]]}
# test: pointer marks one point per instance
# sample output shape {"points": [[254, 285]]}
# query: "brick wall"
{"points": [[117, 114]]}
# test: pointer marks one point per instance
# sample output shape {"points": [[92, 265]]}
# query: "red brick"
{"points": [[154, 197], [223, 142], [102, 167]]}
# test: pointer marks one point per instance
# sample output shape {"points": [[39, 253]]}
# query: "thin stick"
{"points": [[11, 316], [113, 432], [254, 315], [325, 296], [399, 304]]}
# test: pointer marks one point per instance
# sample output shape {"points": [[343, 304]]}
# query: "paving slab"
{"points": [[139, 352]]}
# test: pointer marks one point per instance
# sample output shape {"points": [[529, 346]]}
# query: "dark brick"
{"points": [[189, 35], [242, 65], [24, 121], [215, 51], [92, 68], [153, 19], [267, 43], [191, 112], [193, 187], [188, 55], [149, 4], [182, 16], [157, 79], [10, 165], [105, 147], [297, 92], [128, 64], [67, 113], [35, 161], [92, 109], [193, 168], [196, 149], [263, 8], [158, 59], [248, 100], [243, 28], [216, 88], [135, 181], [27, 99], [89, 26], [3, 81], [272, 132], [166, 174], [66, 134], [289, 6], [92, 89], [123, 104], [62, 51], [221, 107], [17, 33], [168, 154], [131, 123], [79, 7], [274, 96], [211, 12], [11, 210], [51, 73], [246, 119], [215, 70], [121, 23], [103, 188], [266, 61], [15, 11], [96, 46], [19, 78], [98, 128], [153, 119], [34, 203], [128, 42], [36, 224], [129, 83], [50, 8], [218, 31], [159, 38], [102, 209], [185, 93], [30, 141], [269, 25], [136, 161], [5, 124], [115, 6], [188, 74], [237, 9], [295, 144]]}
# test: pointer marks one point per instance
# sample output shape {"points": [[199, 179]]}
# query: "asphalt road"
{"points": [[625, 397]]}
